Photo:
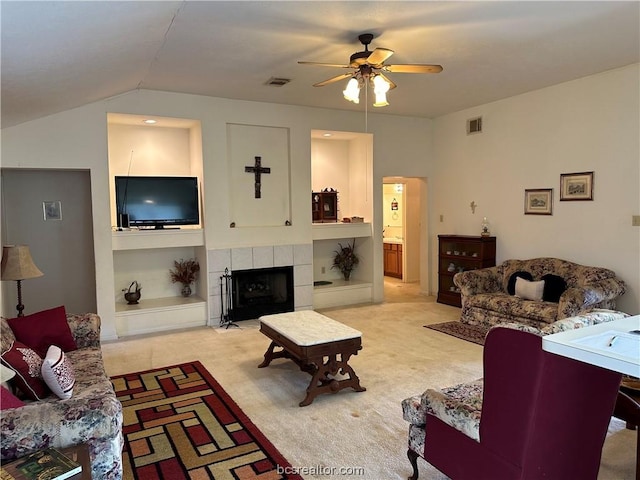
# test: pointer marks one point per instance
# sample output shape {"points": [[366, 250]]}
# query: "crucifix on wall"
{"points": [[257, 170]]}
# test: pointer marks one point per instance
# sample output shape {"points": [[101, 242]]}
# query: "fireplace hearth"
{"points": [[261, 291]]}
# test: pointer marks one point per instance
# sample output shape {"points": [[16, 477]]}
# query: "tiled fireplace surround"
{"points": [[299, 256]]}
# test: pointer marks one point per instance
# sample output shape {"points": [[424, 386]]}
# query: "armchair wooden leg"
{"points": [[413, 459]]}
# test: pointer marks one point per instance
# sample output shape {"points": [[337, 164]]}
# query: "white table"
{"points": [[319, 345], [608, 345]]}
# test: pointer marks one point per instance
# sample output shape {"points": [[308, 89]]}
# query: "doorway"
{"points": [[404, 230], [61, 245]]}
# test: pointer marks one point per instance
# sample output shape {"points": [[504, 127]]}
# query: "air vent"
{"points": [[277, 82], [474, 125]]}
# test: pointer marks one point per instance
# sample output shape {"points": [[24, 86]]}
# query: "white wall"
{"points": [[345, 166], [590, 124], [75, 139], [142, 150], [528, 141], [330, 169], [78, 139]]}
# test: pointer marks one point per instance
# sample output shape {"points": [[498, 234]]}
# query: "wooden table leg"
{"points": [[324, 381], [270, 354]]}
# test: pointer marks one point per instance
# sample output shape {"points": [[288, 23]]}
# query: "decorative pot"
{"points": [[186, 290], [346, 274], [132, 297]]}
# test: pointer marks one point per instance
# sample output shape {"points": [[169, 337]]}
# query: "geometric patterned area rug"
{"points": [[180, 424], [470, 333]]}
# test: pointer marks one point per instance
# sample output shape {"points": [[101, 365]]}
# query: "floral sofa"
{"points": [[92, 415], [587, 295]]}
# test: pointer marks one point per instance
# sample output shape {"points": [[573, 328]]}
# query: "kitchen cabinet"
{"points": [[393, 259]]}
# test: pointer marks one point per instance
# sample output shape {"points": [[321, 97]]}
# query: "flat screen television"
{"points": [[158, 202]]}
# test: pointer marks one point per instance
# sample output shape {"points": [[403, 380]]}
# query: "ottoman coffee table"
{"points": [[319, 345]]}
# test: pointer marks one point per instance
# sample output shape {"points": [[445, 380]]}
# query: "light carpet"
{"points": [[399, 359]]}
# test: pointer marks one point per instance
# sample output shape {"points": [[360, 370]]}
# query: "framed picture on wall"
{"points": [[52, 210], [576, 186], [538, 201]]}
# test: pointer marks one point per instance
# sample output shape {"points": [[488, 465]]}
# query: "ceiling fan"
{"points": [[368, 66]]}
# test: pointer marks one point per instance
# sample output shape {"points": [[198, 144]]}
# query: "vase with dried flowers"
{"points": [[345, 259], [185, 272]]}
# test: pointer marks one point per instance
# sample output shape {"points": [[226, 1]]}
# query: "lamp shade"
{"points": [[352, 92], [17, 263]]}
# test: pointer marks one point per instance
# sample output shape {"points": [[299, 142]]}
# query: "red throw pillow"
{"points": [[43, 329], [9, 400], [28, 365]]}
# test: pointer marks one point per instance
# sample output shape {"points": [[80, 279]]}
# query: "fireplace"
{"points": [[261, 291]]}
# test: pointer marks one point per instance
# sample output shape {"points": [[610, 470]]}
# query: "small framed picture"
{"points": [[52, 210], [538, 201], [576, 186]]}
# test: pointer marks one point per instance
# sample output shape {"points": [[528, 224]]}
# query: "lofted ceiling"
{"points": [[62, 54]]}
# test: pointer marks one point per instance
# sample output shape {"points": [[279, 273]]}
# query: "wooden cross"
{"points": [[257, 170]]}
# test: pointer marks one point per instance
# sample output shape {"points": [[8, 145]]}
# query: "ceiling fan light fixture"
{"points": [[380, 88], [368, 66], [380, 85], [352, 92], [381, 100]]}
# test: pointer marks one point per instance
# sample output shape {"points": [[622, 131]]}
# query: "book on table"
{"points": [[47, 464]]}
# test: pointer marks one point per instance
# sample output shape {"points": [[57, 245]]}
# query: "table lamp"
{"points": [[18, 265]]}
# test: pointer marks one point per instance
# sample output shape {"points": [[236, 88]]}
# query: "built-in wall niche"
{"points": [[168, 147], [343, 161], [324, 252], [150, 268]]}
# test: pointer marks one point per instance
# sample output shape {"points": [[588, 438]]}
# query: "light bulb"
{"points": [[381, 99], [380, 88], [352, 92], [380, 85]]}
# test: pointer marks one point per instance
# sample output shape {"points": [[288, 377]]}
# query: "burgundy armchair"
{"points": [[533, 415]]}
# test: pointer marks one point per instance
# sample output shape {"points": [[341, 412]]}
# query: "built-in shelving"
{"points": [[359, 289], [330, 231], [159, 314], [165, 238], [342, 292], [341, 171], [146, 255]]}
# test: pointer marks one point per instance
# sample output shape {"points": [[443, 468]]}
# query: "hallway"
{"points": [[396, 291]]}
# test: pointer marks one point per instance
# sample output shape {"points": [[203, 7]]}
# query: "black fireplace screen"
{"points": [[261, 291]]}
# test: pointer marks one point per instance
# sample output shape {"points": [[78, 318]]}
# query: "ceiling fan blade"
{"points": [[415, 68], [320, 64], [334, 79], [378, 56], [391, 84]]}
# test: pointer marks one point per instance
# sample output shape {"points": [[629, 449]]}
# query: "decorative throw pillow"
{"points": [[27, 364], [9, 400], [529, 290], [43, 329], [58, 373], [554, 287], [511, 286]]}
